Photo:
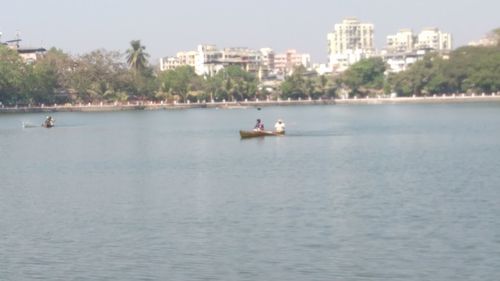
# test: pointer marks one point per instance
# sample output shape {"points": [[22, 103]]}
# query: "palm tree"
{"points": [[322, 82], [137, 58]]}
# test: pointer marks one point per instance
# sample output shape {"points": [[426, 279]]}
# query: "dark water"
{"points": [[385, 192]]}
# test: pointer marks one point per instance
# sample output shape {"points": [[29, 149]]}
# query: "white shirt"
{"points": [[280, 127]]}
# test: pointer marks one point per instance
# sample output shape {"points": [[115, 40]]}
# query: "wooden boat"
{"points": [[253, 134]]}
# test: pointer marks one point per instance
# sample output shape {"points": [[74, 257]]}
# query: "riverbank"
{"points": [[245, 104]]}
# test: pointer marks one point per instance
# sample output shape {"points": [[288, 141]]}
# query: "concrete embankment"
{"points": [[432, 99], [244, 104]]}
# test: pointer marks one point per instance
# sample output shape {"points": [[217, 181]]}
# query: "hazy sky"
{"points": [[165, 27]]}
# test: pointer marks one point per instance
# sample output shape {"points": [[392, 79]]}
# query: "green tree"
{"points": [[295, 85], [467, 69], [365, 77], [323, 81], [180, 82], [58, 67], [324, 86], [13, 73], [100, 76], [495, 35], [234, 83]]}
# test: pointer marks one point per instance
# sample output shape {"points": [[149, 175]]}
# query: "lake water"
{"points": [[369, 192]]}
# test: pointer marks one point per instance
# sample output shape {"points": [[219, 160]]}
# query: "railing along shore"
{"points": [[151, 105]]}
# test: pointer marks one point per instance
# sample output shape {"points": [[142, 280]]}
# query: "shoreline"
{"points": [[245, 104]]}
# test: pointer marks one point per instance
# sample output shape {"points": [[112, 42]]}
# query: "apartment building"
{"points": [[207, 60], [181, 58], [168, 63], [430, 38], [210, 60], [403, 41], [284, 63], [433, 38], [349, 42], [248, 59], [405, 47], [401, 61], [267, 59]]}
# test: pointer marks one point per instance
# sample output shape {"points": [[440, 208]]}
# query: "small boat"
{"points": [[253, 134]]}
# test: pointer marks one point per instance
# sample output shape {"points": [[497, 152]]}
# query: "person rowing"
{"points": [[49, 122], [259, 126]]}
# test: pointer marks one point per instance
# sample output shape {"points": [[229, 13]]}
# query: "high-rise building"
{"points": [[405, 47], [350, 42], [430, 38], [267, 57], [433, 38], [403, 41]]}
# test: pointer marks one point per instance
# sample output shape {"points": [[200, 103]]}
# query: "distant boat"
{"points": [[253, 134]]}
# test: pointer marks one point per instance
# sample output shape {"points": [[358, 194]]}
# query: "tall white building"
{"points": [[433, 38], [405, 47], [206, 60], [350, 42], [403, 41], [430, 38], [267, 57]]}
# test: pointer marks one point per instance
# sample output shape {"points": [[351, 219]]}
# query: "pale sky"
{"points": [[165, 27]]}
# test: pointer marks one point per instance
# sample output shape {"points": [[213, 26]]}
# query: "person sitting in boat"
{"points": [[259, 126], [279, 126], [49, 122]]}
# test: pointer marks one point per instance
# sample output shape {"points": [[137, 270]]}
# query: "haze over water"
{"points": [[384, 192]]}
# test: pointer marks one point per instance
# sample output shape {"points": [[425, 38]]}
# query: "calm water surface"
{"points": [[384, 192]]}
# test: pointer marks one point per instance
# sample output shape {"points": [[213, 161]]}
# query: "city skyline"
{"points": [[166, 28]]}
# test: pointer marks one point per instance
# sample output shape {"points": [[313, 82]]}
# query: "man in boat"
{"points": [[259, 126], [280, 126], [49, 122]]}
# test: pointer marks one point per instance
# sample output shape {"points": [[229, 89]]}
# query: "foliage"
{"points": [[495, 35], [365, 77], [231, 84], [179, 82], [468, 69], [137, 58], [13, 72]]}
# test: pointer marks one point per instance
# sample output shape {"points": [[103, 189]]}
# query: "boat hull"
{"points": [[254, 134]]}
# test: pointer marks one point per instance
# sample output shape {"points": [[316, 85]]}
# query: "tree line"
{"points": [[109, 76]]}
